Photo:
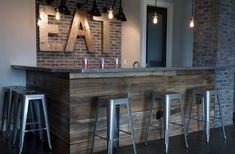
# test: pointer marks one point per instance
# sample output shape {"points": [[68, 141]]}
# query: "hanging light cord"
{"points": [[193, 8]]}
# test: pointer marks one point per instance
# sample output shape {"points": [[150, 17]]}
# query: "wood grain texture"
{"points": [[45, 29], [80, 27], [105, 31], [72, 104]]}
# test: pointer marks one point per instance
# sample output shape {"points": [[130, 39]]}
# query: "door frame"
{"points": [[143, 20]]}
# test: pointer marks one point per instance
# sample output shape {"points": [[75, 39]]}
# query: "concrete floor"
{"points": [[197, 145]]}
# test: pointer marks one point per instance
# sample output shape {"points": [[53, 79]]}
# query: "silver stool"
{"points": [[7, 106], [205, 96], [23, 108], [114, 105], [167, 97]]}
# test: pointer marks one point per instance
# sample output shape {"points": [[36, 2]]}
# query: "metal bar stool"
{"points": [[23, 108], [114, 104], [7, 105], [167, 97], [205, 96]]}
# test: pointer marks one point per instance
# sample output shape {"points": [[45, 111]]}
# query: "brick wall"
{"points": [[214, 38], [75, 58], [205, 33]]}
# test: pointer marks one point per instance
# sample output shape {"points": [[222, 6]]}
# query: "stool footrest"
{"points": [[104, 138], [35, 130], [125, 132], [176, 124], [196, 119], [215, 117], [33, 123]]}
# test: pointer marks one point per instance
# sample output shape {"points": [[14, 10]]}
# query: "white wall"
{"points": [[17, 40], [182, 34], [131, 33]]}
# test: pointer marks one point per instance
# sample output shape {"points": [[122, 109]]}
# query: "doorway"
{"points": [[156, 37]]}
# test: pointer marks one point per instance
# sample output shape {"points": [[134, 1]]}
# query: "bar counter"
{"points": [[72, 95]]}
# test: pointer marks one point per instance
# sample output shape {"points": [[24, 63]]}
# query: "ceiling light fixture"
{"points": [[94, 10], [155, 17], [120, 15], [63, 9]]}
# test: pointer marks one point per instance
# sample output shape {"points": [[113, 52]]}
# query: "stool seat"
{"points": [[114, 102], [167, 98], [205, 96]]}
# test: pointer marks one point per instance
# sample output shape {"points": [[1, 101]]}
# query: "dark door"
{"points": [[156, 37]]}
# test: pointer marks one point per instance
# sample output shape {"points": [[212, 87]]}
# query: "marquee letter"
{"points": [[80, 27], [105, 31], [45, 29]]}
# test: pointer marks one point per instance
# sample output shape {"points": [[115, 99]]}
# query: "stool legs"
{"points": [[131, 127], [4, 111], [44, 107], [183, 122], [190, 111], [166, 122], [117, 126], [113, 113], [208, 100], [221, 116], [149, 121], [111, 109], [23, 123], [94, 132]]}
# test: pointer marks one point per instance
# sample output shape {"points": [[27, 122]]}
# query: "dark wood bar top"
{"points": [[109, 70], [112, 72]]}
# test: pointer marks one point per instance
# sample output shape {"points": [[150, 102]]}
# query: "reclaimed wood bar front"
{"points": [[72, 99]]}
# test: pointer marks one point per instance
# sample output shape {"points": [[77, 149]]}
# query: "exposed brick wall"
{"points": [[75, 59], [205, 33], [214, 39]]}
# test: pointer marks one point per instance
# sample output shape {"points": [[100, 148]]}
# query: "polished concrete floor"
{"points": [[197, 145]]}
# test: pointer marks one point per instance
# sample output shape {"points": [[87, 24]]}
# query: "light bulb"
{"points": [[43, 15], [57, 14], [39, 23], [191, 24], [110, 15], [155, 18]]}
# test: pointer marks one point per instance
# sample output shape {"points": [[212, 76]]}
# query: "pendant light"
{"points": [[63, 9], [94, 10], [120, 16], [110, 11], [155, 17], [79, 4], [57, 14], [191, 23]]}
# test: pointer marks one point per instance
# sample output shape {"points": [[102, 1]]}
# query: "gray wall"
{"points": [[182, 34], [17, 40]]}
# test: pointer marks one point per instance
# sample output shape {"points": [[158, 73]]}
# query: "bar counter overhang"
{"points": [[72, 98]]}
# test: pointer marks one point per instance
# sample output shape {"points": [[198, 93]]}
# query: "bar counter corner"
{"points": [[72, 95]]}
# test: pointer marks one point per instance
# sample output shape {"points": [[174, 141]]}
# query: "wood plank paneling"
{"points": [[72, 104]]}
